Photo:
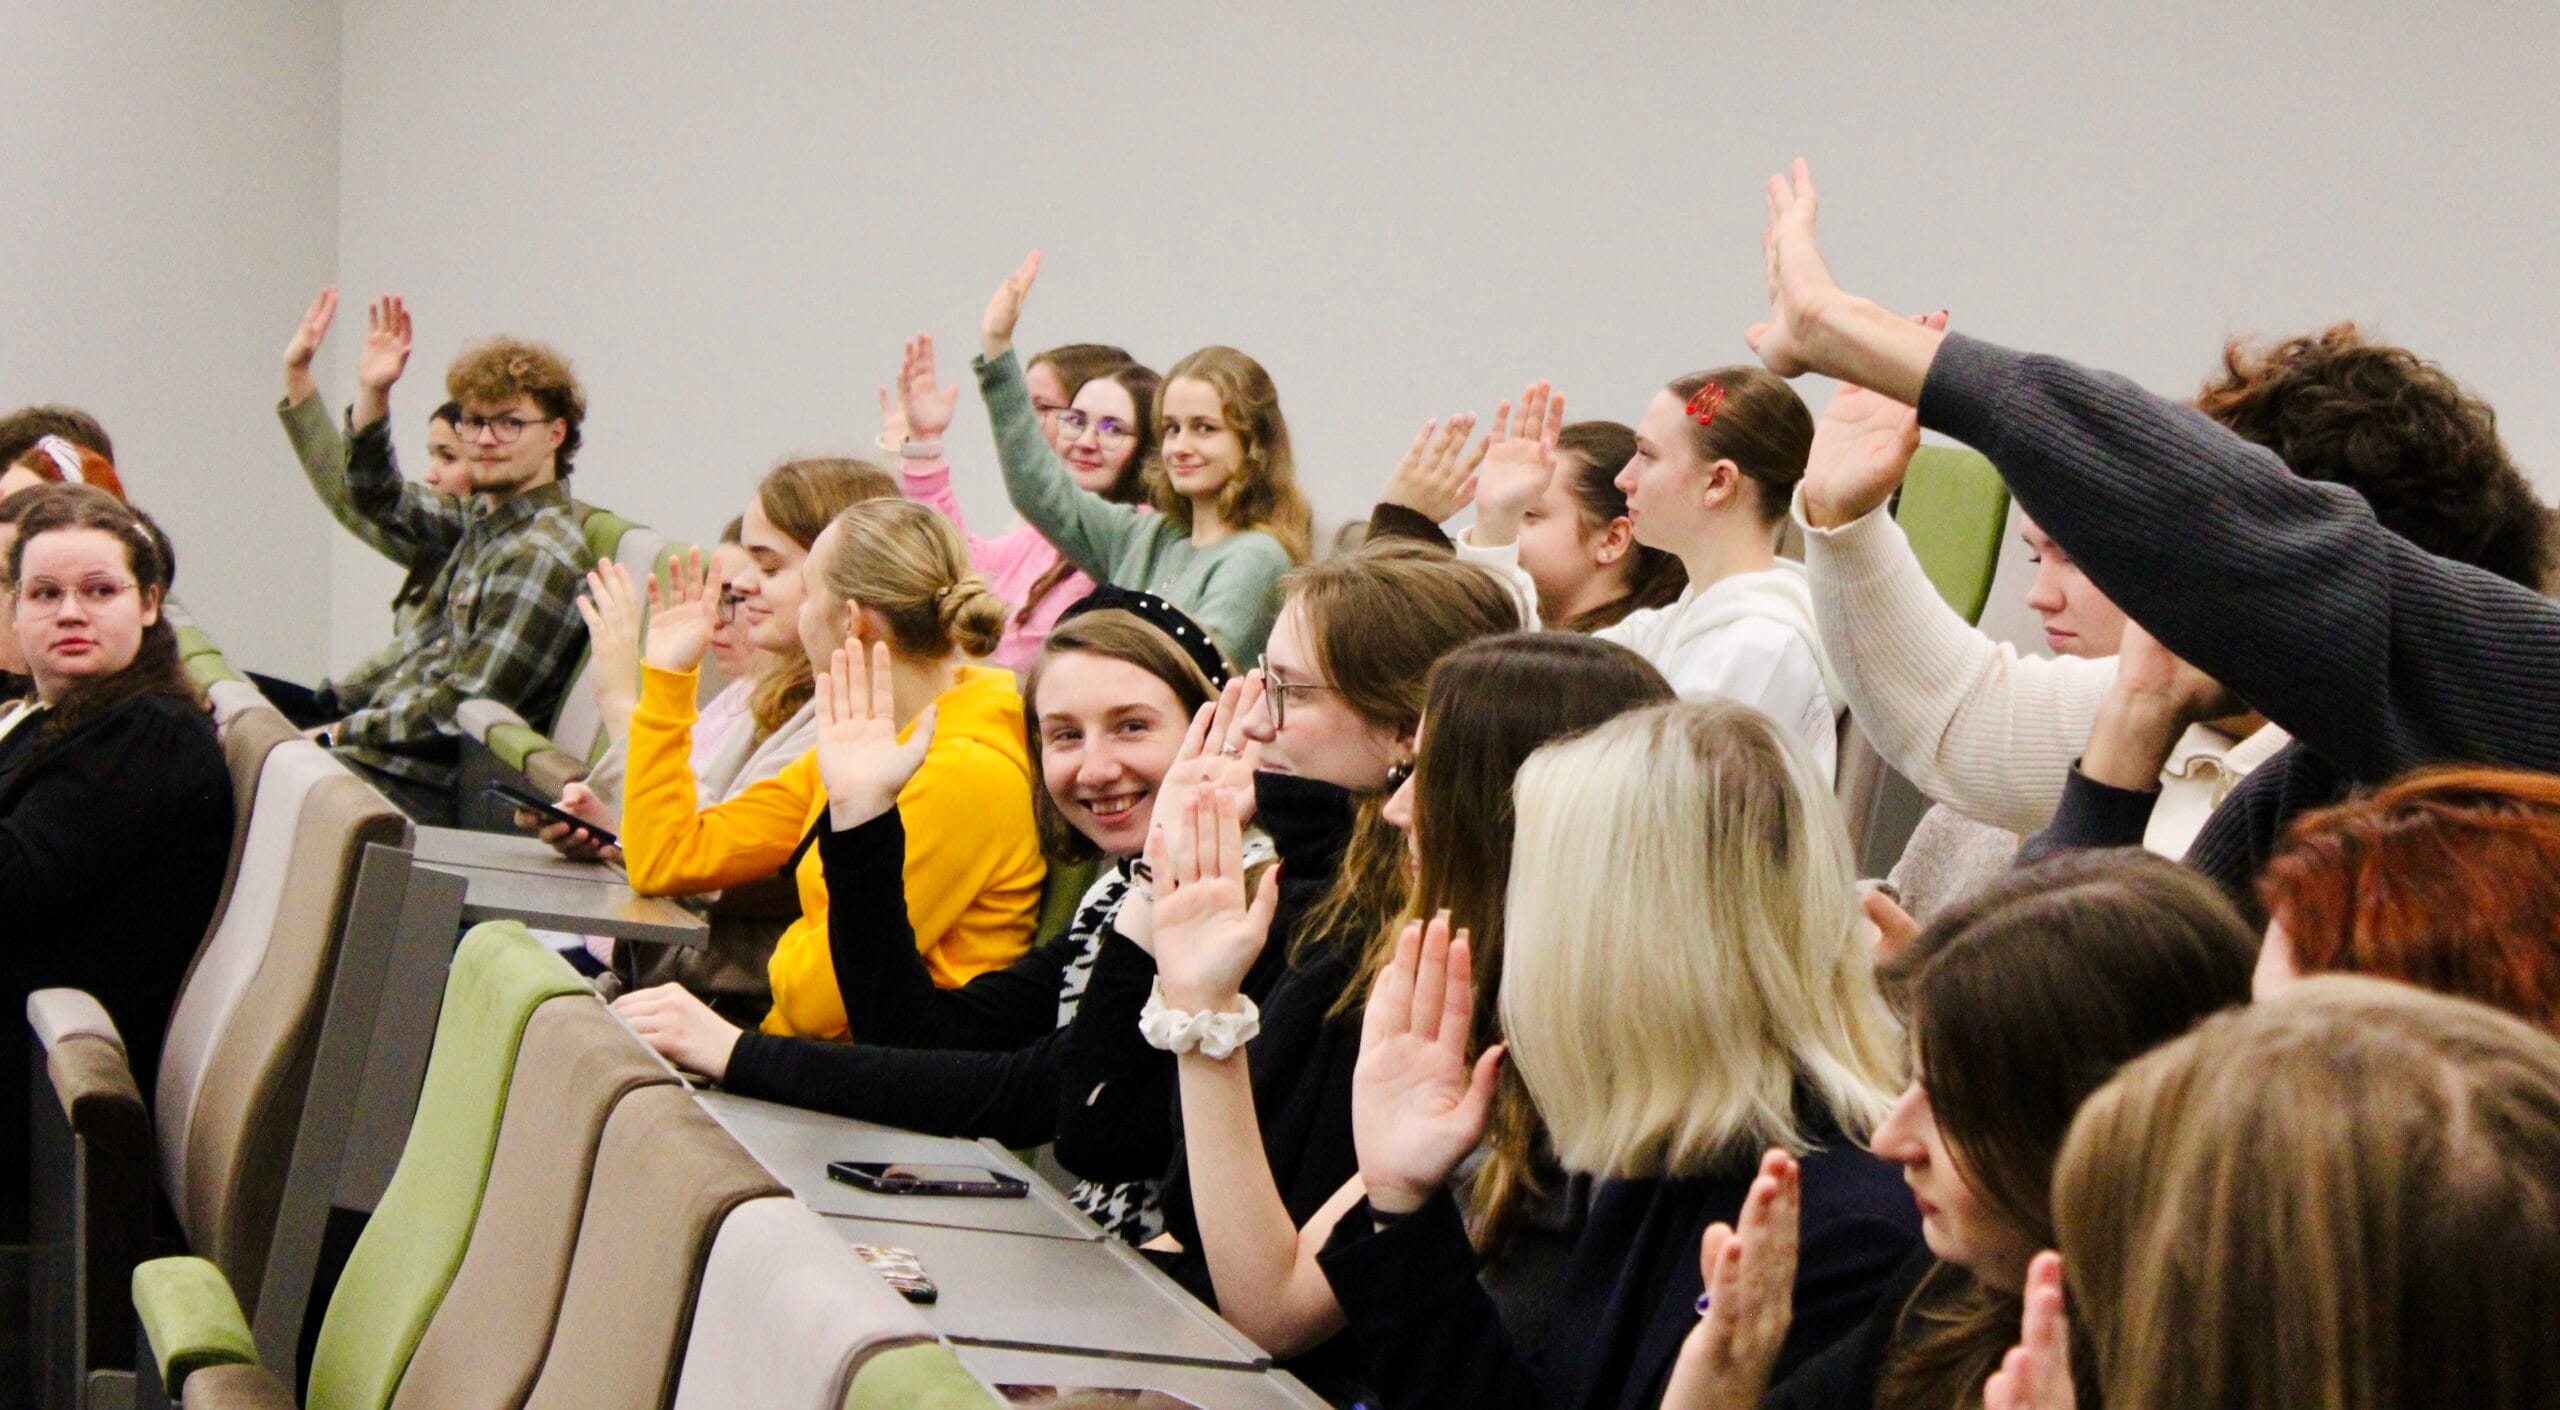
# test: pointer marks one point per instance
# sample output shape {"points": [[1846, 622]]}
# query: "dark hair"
{"points": [[1079, 363], [21, 429], [799, 498], [1141, 384], [735, 530], [1656, 578], [1759, 423], [1119, 635], [450, 414], [2020, 1002], [501, 369], [2397, 429], [1489, 705], [155, 669]]}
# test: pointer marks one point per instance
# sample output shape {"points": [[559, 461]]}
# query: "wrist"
{"points": [[922, 445], [299, 386], [1495, 527], [1396, 1199], [1200, 995], [1822, 511], [992, 347], [2132, 740]]}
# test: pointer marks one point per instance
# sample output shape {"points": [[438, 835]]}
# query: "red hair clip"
{"points": [[1703, 403]]}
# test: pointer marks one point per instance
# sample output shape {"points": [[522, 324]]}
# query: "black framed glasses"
{"points": [[1107, 430], [1277, 691], [506, 429], [726, 612]]}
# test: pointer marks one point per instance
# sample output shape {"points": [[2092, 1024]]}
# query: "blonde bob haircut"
{"points": [[1684, 953], [897, 558], [2347, 1196], [1263, 493]]}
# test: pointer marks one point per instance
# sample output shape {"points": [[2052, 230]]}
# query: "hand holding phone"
{"points": [[532, 802]]}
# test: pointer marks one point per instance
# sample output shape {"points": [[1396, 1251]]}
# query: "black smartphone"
{"points": [[533, 802], [890, 1177]]}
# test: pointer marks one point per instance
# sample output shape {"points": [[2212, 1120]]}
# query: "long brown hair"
{"points": [[2019, 1003], [2347, 1196], [155, 669], [1141, 384], [1375, 620], [1263, 493], [1114, 635], [1756, 421], [1489, 705], [1656, 578], [800, 498]]}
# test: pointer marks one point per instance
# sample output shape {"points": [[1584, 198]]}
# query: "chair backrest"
{"points": [[1954, 508], [604, 530], [248, 739], [406, 1257], [786, 1314], [231, 697], [666, 1179], [491, 1332], [1858, 779]]}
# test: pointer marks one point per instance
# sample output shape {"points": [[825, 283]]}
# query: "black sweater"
{"points": [[1848, 1374], [1430, 1337], [2375, 655], [113, 844]]}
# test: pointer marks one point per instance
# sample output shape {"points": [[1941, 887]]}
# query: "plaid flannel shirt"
{"points": [[509, 630]]}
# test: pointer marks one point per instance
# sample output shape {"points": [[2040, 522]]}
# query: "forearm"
{"points": [[1427, 1331], [1116, 1094], [1011, 1097], [1246, 1234], [1503, 561]]}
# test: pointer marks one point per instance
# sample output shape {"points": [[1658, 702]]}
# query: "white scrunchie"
{"points": [[1217, 1036]]}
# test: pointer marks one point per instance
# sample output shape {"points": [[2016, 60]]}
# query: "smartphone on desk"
{"points": [[533, 802], [897, 1177]]}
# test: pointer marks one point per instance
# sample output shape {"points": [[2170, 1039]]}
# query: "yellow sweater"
{"points": [[973, 869]]}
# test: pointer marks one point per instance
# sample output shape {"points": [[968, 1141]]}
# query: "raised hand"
{"points": [[611, 608], [681, 1027], [1437, 476], [2036, 1374], [860, 758], [926, 404], [1519, 462], [1417, 1105], [1217, 755], [2154, 697], [1004, 310], [384, 357], [1862, 448], [1749, 1275], [305, 345], [1800, 284], [683, 611], [1208, 932], [893, 423]]}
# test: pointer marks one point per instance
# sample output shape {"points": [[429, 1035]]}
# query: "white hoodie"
{"points": [[1748, 638]]}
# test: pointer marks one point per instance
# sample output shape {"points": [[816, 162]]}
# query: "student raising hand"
{"points": [[683, 612], [1749, 1275], [995, 331], [860, 758], [305, 345], [1207, 931], [1519, 461], [1437, 476], [611, 607], [1862, 447], [926, 405], [1417, 1106], [2036, 1374], [388, 336]]}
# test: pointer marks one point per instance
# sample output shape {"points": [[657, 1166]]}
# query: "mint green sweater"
{"points": [[1231, 587]]}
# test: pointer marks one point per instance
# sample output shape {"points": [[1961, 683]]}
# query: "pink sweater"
{"points": [[1012, 566]]}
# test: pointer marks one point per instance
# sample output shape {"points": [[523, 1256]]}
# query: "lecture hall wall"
{"points": [[730, 215]]}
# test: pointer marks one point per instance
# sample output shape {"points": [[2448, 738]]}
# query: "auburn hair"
{"points": [[1755, 420], [500, 370], [799, 498], [1263, 493], [53, 458], [156, 668]]}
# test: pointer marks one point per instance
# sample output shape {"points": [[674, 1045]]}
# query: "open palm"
{"points": [[1862, 447], [1417, 1105], [1800, 283], [387, 340], [684, 609], [1004, 308], [861, 760], [928, 406], [1208, 931]]}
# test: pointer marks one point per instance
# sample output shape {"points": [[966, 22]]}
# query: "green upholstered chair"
{"points": [[922, 1377], [1954, 508]]}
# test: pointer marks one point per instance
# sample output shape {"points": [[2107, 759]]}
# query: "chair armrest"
{"points": [[190, 1320], [479, 718], [237, 1388], [58, 1014], [515, 743], [552, 770]]}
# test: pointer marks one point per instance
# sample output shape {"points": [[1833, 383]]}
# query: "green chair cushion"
{"points": [[205, 668], [604, 530], [919, 1377], [1954, 508], [406, 1257], [513, 743], [187, 1310]]}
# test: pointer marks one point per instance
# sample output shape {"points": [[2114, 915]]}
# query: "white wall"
{"points": [[729, 215], [171, 171]]}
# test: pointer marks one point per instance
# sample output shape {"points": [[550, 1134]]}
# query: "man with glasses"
{"points": [[509, 629]]}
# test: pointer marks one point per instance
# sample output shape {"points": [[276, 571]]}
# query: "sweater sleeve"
{"points": [[2374, 654], [1089, 530], [1504, 563], [1116, 1096], [322, 450], [929, 483], [1969, 721], [889, 997], [410, 514], [1010, 1096], [1429, 1334], [671, 846], [67, 837]]}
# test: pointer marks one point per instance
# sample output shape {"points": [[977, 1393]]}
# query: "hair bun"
{"points": [[972, 614]]}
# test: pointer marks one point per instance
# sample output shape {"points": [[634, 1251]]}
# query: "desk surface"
{"points": [[796, 1146], [580, 906], [502, 851], [1209, 1387], [1097, 1297]]}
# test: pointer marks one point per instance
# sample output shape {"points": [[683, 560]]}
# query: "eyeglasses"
{"points": [[507, 429], [45, 598], [1277, 691], [1108, 430], [1048, 414], [727, 612]]}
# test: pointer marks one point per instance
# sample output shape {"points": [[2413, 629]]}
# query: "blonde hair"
{"points": [[903, 561], [1684, 950], [2347, 1196], [1263, 493]]}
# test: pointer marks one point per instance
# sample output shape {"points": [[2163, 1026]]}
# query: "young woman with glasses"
{"points": [[1230, 518], [1104, 435], [115, 805]]}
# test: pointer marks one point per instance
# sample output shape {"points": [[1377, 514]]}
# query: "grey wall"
{"points": [[729, 215]]}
